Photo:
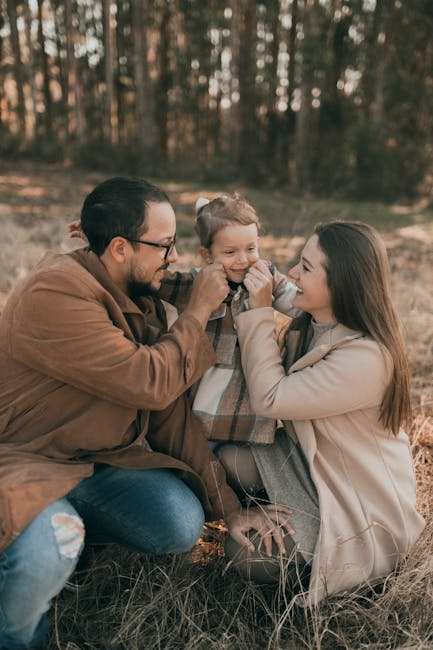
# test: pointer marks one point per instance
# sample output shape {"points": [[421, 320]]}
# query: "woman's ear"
{"points": [[205, 253]]}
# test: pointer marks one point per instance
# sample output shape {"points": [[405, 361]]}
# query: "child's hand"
{"points": [[75, 230], [259, 283]]}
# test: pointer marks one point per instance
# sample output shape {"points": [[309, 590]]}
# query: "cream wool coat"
{"points": [[363, 473]]}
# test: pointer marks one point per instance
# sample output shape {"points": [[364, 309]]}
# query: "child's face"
{"points": [[236, 248]]}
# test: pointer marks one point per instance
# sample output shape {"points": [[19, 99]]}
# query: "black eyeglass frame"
{"points": [[168, 247]]}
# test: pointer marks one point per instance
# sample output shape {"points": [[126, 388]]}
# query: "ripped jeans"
{"points": [[149, 511]]}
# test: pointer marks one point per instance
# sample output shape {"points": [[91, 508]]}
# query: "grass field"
{"points": [[122, 600]]}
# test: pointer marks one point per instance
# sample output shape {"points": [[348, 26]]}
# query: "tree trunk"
{"points": [[146, 128], [74, 114], [18, 66], [123, 17], [380, 56], [288, 161], [31, 67], [375, 73], [48, 116], [3, 122], [304, 125], [163, 84], [274, 117], [247, 80], [233, 126], [108, 67], [61, 64]]}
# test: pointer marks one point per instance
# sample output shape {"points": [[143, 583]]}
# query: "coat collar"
{"points": [[331, 339], [91, 262]]}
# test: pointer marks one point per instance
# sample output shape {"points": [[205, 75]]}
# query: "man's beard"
{"points": [[135, 288]]}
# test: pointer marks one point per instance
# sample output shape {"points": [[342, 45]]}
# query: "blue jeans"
{"points": [[149, 511]]}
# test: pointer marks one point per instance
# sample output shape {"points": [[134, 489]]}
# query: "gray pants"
{"points": [[245, 478]]}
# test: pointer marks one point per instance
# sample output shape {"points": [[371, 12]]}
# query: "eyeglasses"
{"points": [[168, 247]]}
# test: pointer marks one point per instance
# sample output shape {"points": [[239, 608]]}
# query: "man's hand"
{"points": [[209, 289], [267, 520], [259, 282]]}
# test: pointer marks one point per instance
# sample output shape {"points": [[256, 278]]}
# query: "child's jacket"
{"points": [[220, 398]]}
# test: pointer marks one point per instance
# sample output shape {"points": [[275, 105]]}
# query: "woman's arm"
{"points": [[283, 292], [350, 377]]}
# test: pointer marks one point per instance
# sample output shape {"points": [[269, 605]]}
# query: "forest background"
{"points": [[313, 109], [322, 96]]}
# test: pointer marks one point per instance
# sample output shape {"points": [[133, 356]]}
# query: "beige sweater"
{"points": [[363, 473]]}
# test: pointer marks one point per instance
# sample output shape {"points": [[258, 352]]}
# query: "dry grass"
{"points": [[123, 600], [133, 602]]}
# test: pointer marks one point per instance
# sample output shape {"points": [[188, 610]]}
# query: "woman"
{"points": [[341, 462]]}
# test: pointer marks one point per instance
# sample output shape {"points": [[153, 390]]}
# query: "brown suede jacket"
{"points": [[87, 375]]}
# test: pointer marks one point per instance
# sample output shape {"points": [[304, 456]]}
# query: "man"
{"points": [[96, 433], [91, 394]]}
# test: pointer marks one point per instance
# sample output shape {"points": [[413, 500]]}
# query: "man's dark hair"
{"points": [[118, 207]]}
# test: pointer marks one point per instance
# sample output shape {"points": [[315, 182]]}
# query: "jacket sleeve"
{"points": [[68, 334], [176, 431], [351, 377]]}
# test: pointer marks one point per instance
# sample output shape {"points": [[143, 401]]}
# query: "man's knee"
{"points": [[35, 567], [185, 523], [69, 534], [56, 548]]}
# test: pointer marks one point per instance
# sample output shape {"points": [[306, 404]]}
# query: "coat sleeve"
{"points": [[283, 293], [351, 377], [68, 334], [176, 431]]}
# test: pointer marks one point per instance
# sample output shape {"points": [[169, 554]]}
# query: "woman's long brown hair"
{"points": [[358, 275]]}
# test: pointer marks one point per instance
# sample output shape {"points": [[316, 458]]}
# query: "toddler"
{"points": [[228, 229]]}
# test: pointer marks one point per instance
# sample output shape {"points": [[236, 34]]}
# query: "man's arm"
{"points": [[177, 432], [64, 330]]}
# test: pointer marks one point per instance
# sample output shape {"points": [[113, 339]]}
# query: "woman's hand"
{"points": [[267, 520], [258, 282], [75, 230]]}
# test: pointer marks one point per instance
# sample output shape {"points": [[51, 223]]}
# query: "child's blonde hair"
{"points": [[221, 212]]}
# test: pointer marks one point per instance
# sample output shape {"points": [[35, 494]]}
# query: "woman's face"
{"points": [[236, 247], [309, 275]]}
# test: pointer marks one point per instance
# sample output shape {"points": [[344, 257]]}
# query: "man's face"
{"points": [[147, 263]]}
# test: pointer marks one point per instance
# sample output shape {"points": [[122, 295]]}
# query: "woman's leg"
{"points": [[241, 469], [244, 478], [149, 511], [33, 569]]}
